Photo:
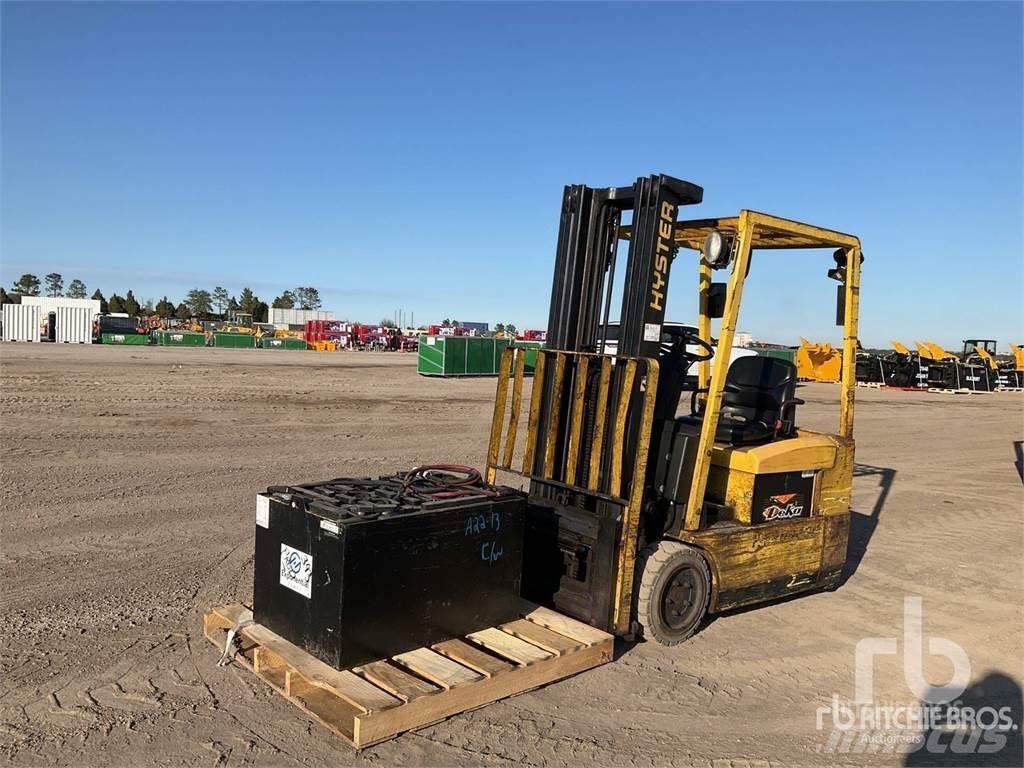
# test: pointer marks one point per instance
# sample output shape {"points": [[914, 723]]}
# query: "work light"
{"points": [[838, 273], [717, 249]]}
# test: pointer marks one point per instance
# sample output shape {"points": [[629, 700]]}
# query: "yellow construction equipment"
{"points": [[1018, 356], [902, 368], [229, 328], [983, 356], [818, 362], [239, 322], [932, 351]]}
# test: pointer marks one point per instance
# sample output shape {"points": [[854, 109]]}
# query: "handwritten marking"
{"points": [[491, 551], [482, 523]]}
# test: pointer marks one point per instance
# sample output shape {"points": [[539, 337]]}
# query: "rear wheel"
{"points": [[674, 592]]}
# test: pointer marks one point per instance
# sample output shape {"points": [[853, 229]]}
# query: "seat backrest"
{"points": [[763, 383]]}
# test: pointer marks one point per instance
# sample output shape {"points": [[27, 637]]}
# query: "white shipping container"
{"points": [[50, 304], [287, 317], [21, 322], [74, 325]]}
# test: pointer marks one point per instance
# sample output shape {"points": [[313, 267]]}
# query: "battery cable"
{"points": [[445, 481]]}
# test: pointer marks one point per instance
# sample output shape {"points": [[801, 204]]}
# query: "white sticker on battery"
{"points": [[431, 341], [296, 570], [262, 510], [652, 332], [327, 525], [807, 473]]}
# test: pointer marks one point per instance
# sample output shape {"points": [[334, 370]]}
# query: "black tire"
{"points": [[674, 592]]}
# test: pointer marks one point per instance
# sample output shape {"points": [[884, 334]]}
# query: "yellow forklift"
{"points": [[642, 520]]}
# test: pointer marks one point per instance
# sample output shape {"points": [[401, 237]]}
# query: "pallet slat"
{"points": [[564, 625], [376, 702], [541, 636], [372, 729], [437, 668], [509, 646], [472, 657], [392, 679]]}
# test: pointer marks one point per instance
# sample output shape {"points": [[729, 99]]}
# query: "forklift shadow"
{"points": [[862, 526], [1018, 451], [1000, 746]]}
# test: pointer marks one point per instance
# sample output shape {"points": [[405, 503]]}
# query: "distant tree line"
{"points": [[198, 303]]}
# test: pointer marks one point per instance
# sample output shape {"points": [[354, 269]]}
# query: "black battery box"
{"points": [[353, 570]]}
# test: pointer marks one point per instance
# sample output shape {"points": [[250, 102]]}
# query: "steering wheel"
{"points": [[705, 352], [679, 345], [695, 340]]}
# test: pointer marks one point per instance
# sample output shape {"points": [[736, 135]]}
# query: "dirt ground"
{"points": [[128, 481]]}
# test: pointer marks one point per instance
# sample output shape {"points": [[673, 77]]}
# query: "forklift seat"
{"points": [[758, 402]]}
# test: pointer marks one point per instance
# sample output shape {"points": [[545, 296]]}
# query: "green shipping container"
{"points": [[285, 343], [781, 354], [138, 339], [467, 355], [180, 339], [234, 340], [531, 348]]}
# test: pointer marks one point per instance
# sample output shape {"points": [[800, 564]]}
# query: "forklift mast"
{"points": [[585, 265], [577, 534]]}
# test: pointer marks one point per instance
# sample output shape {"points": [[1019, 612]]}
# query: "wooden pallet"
{"points": [[946, 391], [870, 384], [377, 701]]}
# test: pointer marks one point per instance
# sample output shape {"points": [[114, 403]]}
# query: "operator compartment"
{"points": [[354, 570], [771, 482], [763, 469]]}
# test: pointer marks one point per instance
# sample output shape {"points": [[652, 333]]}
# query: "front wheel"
{"points": [[674, 592]]}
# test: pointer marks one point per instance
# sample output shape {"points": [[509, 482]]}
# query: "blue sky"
{"points": [[414, 156]]}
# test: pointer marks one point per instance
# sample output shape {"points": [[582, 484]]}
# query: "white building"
{"points": [[71, 319], [21, 323], [286, 317], [742, 339], [49, 304]]}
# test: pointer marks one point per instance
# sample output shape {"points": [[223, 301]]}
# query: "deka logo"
{"points": [[783, 506]]}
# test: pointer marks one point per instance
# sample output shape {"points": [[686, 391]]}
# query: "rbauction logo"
{"points": [[935, 720]]}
